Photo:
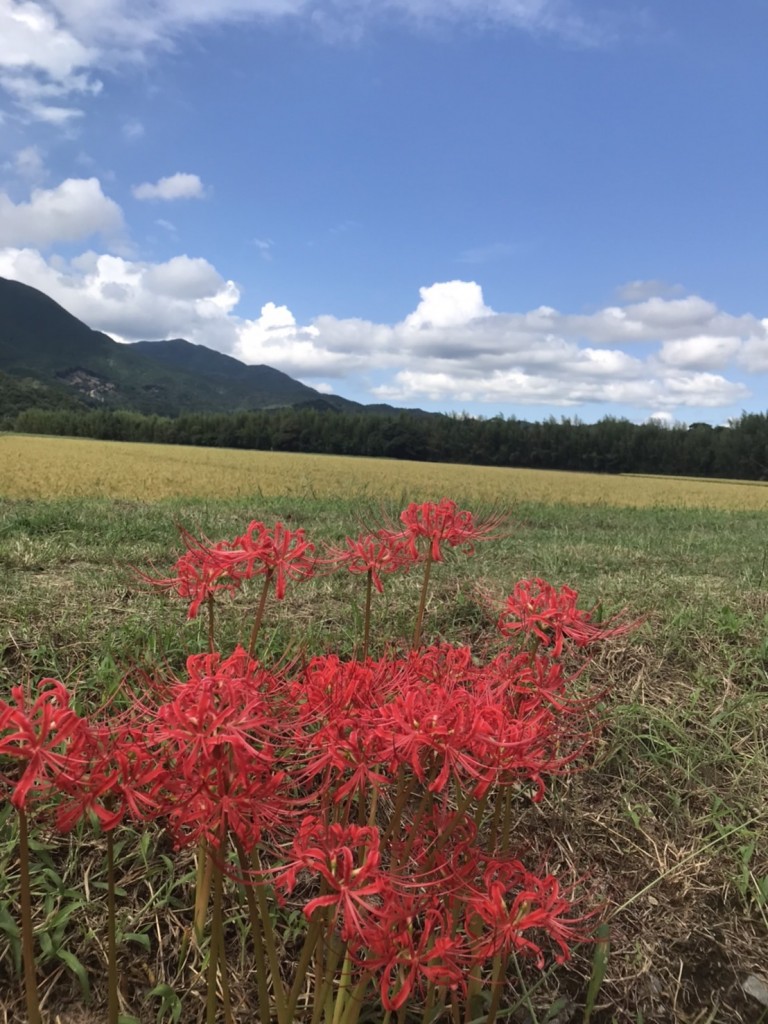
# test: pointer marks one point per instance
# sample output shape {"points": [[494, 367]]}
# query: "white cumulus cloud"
{"points": [[175, 186], [658, 356], [75, 209], [182, 297], [700, 352], [448, 304], [32, 37]]}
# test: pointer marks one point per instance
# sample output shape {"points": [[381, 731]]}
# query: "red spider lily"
{"points": [[514, 903], [347, 860], [442, 858], [47, 735], [336, 706], [439, 732], [412, 944], [116, 776], [374, 553], [278, 552], [247, 804], [441, 523], [450, 719], [537, 609], [216, 736], [203, 570]]}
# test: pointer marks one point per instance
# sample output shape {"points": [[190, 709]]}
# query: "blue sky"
{"points": [[527, 207]]}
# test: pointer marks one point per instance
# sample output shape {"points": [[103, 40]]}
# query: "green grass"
{"points": [[669, 829]]}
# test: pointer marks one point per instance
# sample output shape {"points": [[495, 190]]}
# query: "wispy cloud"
{"points": [[132, 130], [265, 246], [175, 186], [54, 47], [637, 291], [28, 164]]}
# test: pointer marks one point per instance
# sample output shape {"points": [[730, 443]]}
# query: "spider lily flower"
{"points": [[45, 736], [514, 903], [411, 944], [202, 571], [374, 553], [346, 858], [280, 553], [537, 609], [217, 737], [442, 522], [116, 776]]}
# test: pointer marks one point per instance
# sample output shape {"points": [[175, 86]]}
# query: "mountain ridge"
{"points": [[59, 357]]}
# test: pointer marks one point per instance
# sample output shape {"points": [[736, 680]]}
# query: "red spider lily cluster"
{"points": [[376, 794], [549, 615], [206, 569]]}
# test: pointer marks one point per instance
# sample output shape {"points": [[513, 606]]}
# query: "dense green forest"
{"points": [[612, 445]]}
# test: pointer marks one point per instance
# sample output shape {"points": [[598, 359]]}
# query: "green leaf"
{"points": [[138, 937], [599, 965], [77, 969], [170, 1002], [9, 926], [46, 943]]}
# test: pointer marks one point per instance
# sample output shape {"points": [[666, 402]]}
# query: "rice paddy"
{"points": [[48, 467]]}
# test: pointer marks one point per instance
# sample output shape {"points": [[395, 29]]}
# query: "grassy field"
{"points": [[668, 829]]}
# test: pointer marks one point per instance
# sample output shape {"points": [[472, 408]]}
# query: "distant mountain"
{"points": [[254, 387], [60, 360]]}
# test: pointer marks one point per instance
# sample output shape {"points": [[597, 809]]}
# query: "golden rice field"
{"points": [[53, 467]]}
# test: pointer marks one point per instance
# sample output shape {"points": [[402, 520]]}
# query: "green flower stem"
{"points": [[202, 889], [318, 922], [211, 623], [374, 808], [367, 625], [113, 1010], [480, 809], [422, 601], [260, 612], [262, 987], [27, 935], [455, 1008], [228, 1018], [214, 951], [355, 1000], [458, 817], [429, 1002], [495, 828], [334, 953], [269, 942], [342, 991], [426, 802], [404, 790], [325, 967], [474, 987], [497, 986], [506, 827]]}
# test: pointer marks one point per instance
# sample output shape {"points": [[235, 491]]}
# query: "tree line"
{"points": [[611, 445]]}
